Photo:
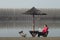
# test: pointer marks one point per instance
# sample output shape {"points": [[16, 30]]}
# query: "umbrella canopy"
{"points": [[34, 11]]}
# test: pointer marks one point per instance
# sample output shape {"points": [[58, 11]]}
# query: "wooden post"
{"points": [[33, 23]]}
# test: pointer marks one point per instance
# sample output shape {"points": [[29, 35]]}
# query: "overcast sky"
{"points": [[29, 3]]}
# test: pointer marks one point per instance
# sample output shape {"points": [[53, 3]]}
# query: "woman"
{"points": [[44, 31]]}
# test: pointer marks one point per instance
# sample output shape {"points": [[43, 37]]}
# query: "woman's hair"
{"points": [[45, 25]]}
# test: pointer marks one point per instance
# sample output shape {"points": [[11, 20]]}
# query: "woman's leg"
{"points": [[39, 34]]}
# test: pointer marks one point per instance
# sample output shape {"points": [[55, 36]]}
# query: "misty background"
{"points": [[13, 20]]}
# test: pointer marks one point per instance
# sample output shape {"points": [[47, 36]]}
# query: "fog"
{"points": [[13, 20]]}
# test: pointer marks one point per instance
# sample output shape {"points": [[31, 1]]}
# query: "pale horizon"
{"points": [[29, 3]]}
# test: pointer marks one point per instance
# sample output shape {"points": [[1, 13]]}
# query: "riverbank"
{"points": [[29, 38]]}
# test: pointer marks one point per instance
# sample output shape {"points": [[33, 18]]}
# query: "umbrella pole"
{"points": [[33, 23]]}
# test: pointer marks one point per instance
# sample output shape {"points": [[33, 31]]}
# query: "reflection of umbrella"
{"points": [[33, 11]]}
